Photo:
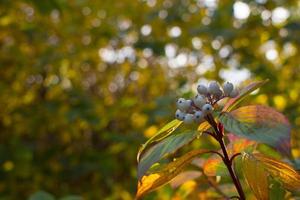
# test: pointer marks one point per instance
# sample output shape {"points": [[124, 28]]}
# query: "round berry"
{"points": [[188, 119], [207, 108], [179, 115], [199, 100], [227, 88], [188, 103], [198, 116], [202, 89], [213, 87], [234, 93], [218, 93], [182, 104]]}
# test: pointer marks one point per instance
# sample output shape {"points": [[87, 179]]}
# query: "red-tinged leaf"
{"points": [[214, 166], [150, 182], [184, 177], [259, 123], [256, 176], [282, 171], [242, 94], [238, 145], [163, 148], [161, 134]]}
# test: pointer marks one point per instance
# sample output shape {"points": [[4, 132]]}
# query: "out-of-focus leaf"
{"points": [[71, 197], [41, 195], [237, 144], [46, 6], [167, 146], [150, 182], [161, 134], [276, 191], [184, 177], [256, 176], [282, 171], [259, 123], [214, 166], [242, 94]]}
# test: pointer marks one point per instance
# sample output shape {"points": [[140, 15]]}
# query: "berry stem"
{"points": [[227, 161]]}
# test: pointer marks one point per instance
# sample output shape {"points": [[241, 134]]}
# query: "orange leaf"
{"points": [[214, 166], [152, 181], [255, 176]]}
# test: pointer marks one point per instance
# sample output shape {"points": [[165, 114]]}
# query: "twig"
{"points": [[210, 133], [227, 161], [219, 154], [232, 158]]}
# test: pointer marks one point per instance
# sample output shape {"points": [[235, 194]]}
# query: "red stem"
{"points": [[227, 161]]}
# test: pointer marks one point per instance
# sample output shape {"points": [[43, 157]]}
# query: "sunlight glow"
{"points": [[174, 32], [241, 10], [236, 76], [280, 15], [146, 30], [170, 50], [271, 54]]}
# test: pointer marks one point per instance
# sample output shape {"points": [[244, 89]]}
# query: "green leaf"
{"points": [[276, 191], [161, 149], [41, 195], [259, 123], [46, 7], [161, 134], [256, 176], [72, 197], [243, 94], [150, 182]]}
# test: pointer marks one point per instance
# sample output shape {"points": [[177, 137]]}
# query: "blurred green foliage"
{"points": [[83, 82]]}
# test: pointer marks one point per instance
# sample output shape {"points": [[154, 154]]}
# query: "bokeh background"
{"points": [[83, 82]]}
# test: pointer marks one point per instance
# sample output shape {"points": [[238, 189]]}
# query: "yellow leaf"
{"points": [[255, 176], [152, 181], [204, 126], [284, 172]]}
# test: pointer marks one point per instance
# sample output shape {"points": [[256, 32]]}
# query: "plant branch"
{"points": [[219, 154], [231, 172], [227, 161], [233, 157], [210, 133]]}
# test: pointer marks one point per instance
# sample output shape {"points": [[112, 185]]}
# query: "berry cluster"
{"points": [[195, 110]]}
